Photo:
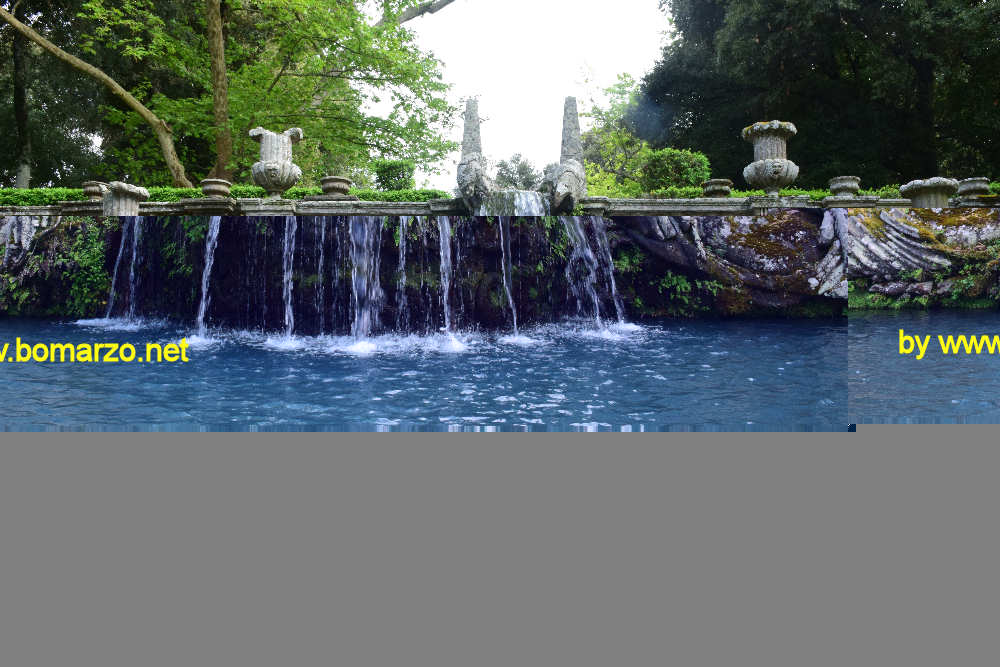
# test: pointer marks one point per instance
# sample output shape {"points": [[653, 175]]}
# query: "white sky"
{"points": [[521, 58]]}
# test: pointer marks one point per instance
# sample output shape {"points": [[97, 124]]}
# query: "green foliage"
{"points": [[355, 87], [394, 174], [602, 183], [39, 196], [89, 280], [52, 196], [685, 298], [670, 167], [517, 174], [610, 146]]}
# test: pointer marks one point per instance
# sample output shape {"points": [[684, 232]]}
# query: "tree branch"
{"points": [[415, 11], [160, 128]]}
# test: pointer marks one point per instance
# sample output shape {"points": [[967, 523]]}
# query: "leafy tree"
{"points": [[517, 173], [47, 138], [286, 63], [611, 144], [889, 90]]}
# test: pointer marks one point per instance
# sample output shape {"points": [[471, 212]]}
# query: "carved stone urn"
{"points": [[717, 187], [335, 185], [771, 169], [215, 187], [845, 187], [930, 193], [972, 187], [94, 190], [123, 199], [275, 171]]}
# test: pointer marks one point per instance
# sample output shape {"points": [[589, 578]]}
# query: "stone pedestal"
{"points": [[123, 199], [771, 169], [930, 193], [275, 171]]}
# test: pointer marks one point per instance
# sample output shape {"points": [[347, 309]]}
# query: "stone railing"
{"points": [[589, 206]]}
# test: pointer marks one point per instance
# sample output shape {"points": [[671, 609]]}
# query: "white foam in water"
{"points": [[198, 340], [522, 340], [284, 343], [362, 347], [120, 323]]}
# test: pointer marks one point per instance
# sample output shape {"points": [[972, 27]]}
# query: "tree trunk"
{"points": [[220, 90], [160, 128], [22, 142]]}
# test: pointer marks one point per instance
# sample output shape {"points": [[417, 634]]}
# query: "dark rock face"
{"points": [[940, 256], [778, 258]]}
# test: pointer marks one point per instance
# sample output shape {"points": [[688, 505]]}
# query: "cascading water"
{"points": [[444, 231], [133, 278], [607, 264], [320, 288], [514, 202], [211, 240], [291, 226], [581, 268], [402, 308], [126, 228], [366, 290], [505, 268]]}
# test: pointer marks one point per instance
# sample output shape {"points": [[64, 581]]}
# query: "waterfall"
{"points": [[133, 279], [581, 268], [607, 264], [505, 266], [402, 308], [114, 275], [514, 202], [5, 231], [291, 226], [366, 290], [320, 289], [211, 240], [444, 231]]}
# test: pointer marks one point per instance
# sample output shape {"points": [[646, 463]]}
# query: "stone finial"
{"points": [[275, 171], [472, 143], [473, 182], [771, 169], [123, 199], [929, 193], [567, 183], [572, 146]]}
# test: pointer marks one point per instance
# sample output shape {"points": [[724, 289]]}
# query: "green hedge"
{"points": [[50, 196]]}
